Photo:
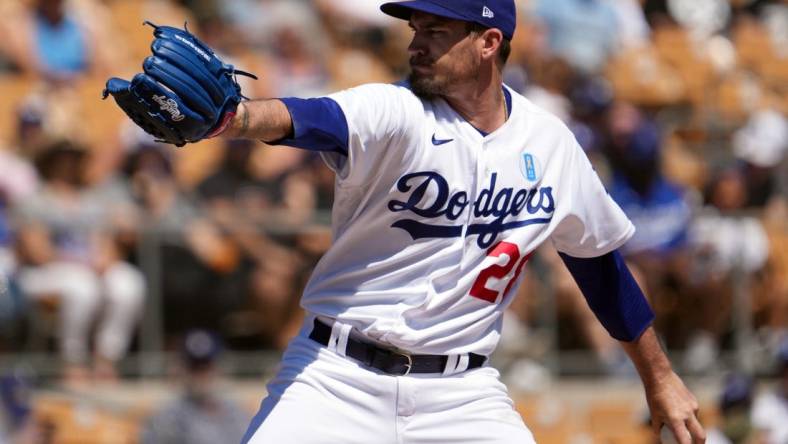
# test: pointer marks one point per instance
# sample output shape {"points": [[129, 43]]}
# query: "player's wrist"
{"points": [[239, 123]]}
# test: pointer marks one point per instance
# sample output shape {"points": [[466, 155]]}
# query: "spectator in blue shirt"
{"points": [[584, 32], [655, 205]]}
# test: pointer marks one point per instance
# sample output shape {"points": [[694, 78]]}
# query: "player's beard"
{"points": [[440, 84], [428, 87]]}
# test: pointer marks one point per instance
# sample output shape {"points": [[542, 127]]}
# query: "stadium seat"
{"points": [[640, 76], [675, 48], [737, 95], [129, 16], [104, 116], [84, 423]]}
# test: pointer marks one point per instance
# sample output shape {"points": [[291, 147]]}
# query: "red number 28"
{"points": [[480, 289]]}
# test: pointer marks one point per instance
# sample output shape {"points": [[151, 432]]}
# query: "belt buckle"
{"points": [[409, 365]]}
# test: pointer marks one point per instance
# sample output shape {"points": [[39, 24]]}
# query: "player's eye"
{"points": [[428, 30]]}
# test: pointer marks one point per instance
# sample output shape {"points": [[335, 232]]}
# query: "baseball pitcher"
{"points": [[446, 183]]}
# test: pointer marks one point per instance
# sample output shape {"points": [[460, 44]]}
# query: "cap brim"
{"points": [[403, 10]]}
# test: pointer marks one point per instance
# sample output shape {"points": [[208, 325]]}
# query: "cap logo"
{"points": [[487, 12]]}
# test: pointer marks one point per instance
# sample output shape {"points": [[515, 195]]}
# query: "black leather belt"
{"points": [[387, 360]]}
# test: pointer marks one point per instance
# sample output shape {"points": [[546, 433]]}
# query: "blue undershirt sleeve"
{"points": [[318, 125], [612, 293]]}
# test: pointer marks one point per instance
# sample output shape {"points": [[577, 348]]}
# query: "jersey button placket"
{"points": [[484, 155], [482, 174], [476, 174]]}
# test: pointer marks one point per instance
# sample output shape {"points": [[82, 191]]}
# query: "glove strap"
{"points": [[222, 127]]}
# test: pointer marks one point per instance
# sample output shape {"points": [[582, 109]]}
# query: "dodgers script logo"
{"points": [[499, 204]]}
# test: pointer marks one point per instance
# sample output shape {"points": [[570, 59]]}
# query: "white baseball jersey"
{"points": [[433, 221]]}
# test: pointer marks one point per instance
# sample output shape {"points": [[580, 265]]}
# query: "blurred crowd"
{"points": [[680, 104]]}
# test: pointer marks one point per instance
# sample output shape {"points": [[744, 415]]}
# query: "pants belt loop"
{"points": [[336, 330], [344, 334], [451, 364], [462, 363], [337, 342]]}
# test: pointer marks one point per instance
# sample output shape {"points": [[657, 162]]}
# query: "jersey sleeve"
{"points": [[592, 224], [318, 125], [378, 117]]}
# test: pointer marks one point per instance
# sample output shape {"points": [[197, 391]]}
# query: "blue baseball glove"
{"points": [[185, 94]]}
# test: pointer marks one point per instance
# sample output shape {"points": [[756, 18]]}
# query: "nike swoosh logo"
{"points": [[438, 142]]}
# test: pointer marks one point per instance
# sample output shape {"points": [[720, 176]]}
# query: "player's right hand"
{"points": [[185, 94], [674, 408]]}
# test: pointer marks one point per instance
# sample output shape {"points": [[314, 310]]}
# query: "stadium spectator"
{"points": [[727, 242], [761, 143], [18, 181], [299, 68], [770, 286], [18, 421], [633, 28], [364, 37], [729, 239], [591, 99], [734, 404], [359, 14], [297, 65], [258, 19], [51, 40], [198, 262], [232, 46], [583, 32], [202, 414], [550, 83], [657, 207], [241, 202], [18, 178], [233, 190], [276, 284], [67, 256]]}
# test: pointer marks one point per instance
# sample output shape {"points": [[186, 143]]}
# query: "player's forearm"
{"points": [[266, 120], [671, 404], [648, 357]]}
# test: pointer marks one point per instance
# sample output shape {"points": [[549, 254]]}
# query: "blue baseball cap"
{"points": [[201, 348], [737, 392], [500, 14]]}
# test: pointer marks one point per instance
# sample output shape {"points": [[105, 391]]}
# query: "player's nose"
{"points": [[417, 48]]}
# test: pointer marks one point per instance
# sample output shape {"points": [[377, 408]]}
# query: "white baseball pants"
{"points": [[82, 292], [320, 396]]}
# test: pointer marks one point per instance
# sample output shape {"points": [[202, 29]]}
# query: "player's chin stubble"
{"points": [[426, 87], [431, 86]]}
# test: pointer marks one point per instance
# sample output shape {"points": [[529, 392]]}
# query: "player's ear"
{"points": [[491, 40]]}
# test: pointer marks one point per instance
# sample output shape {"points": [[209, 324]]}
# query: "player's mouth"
{"points": [[421, 69], [421, 64]]}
